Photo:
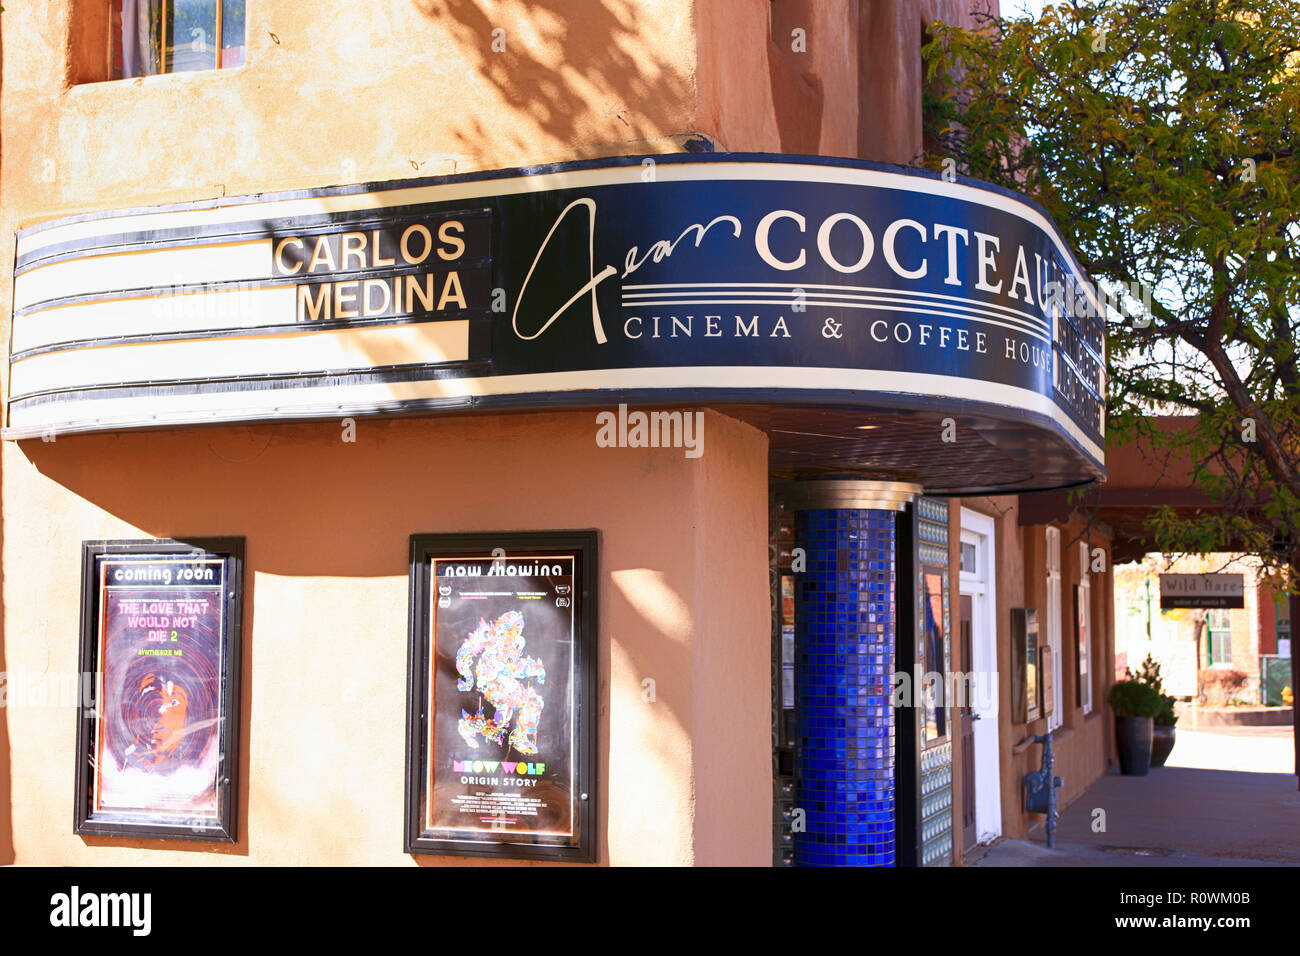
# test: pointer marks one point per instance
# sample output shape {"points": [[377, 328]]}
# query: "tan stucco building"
{"points": [[320, 115]]}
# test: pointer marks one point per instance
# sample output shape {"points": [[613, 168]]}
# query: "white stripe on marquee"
{"points": [[158, 266], [237, 308], [308, 351]]}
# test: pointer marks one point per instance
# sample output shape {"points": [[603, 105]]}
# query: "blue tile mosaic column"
{"points": [[845, 627]]}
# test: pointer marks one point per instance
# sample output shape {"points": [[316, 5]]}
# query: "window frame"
{"points": [[1215, 637], [166, 54], [1083, 625], [1053, 615]]}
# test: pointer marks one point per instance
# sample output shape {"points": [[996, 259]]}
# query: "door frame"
{"points": [[980, 530], [1054, 621]]}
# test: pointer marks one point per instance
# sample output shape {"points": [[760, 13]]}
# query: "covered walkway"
{"points": [[1226, 798]]}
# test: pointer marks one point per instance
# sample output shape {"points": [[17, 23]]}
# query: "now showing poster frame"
{"points": [[501, 677], [158, 713]]}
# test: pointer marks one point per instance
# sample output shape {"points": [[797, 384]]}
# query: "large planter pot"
{"points": [[1133, 734], [1162, 741]]}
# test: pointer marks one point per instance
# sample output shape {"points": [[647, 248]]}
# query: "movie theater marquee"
{"points": [[729, 278]]}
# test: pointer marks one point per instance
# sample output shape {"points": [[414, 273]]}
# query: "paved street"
{"points": [[1227, 797]]}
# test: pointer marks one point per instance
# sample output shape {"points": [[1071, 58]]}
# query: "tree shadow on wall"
{"points": [[537, 55]]}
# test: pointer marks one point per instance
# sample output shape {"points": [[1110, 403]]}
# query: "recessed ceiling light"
{"points": [[865, 427]]}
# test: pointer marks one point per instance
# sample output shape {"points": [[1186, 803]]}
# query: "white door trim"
{"points": [[980, 530], [1054, 622]]}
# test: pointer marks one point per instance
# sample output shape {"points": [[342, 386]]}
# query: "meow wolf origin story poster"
{"points": [[502, 735]]}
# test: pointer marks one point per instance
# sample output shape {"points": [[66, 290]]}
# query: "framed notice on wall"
{"points": [[1033, 674], [1025, 680], [935, 643], [1047, 679], [158, 721], [500, 757]]}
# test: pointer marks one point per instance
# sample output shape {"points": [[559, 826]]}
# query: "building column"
{"points": [[845, 636]]}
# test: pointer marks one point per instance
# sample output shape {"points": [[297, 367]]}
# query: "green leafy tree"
{"points": [[1162, 138]]}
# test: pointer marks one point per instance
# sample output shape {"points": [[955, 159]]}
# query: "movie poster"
{"points": [[158, 686], [502, 684]]}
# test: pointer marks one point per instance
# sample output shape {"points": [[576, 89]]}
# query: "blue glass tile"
{"points": [[844, 767]]}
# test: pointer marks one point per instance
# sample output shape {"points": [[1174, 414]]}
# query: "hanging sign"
{"points": [[1202, 590]]}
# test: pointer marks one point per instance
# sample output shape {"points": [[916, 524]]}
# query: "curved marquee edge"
{"points": [[983, 416], [70, 238]]}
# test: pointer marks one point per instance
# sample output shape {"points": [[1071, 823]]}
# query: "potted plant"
{"points": [[1162, 731], [1136, 704]]}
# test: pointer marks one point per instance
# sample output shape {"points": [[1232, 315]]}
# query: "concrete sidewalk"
{"points": [[1227, 797]]}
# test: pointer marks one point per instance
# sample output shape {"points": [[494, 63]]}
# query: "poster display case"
{"points": [[501, 719], [158, 721]]}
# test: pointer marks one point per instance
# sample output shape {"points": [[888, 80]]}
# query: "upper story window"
{"points": [[174, 36], [1283, 620], [1218, 644]]}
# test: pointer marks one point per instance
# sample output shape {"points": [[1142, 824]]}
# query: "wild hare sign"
{"points": [[733, 278], [1202, 590]]}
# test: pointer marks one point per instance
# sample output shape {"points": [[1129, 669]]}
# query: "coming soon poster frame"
{"points": [[183, 715]]}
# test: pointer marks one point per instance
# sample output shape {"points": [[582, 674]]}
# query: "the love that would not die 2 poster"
{"points": [[157, 745], [503, 636], [159, 648]]}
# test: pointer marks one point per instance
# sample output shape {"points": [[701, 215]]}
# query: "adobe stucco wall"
{"points": [[370, 91], [683, 600], [402, 89], [828, 77], [1082, 744]]}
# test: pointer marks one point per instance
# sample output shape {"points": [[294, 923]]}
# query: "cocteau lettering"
{"points": [[845, 242]]}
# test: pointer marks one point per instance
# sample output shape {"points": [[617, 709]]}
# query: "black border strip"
{"points": [[286, 381], [479, 345], [984, 414]]}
